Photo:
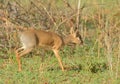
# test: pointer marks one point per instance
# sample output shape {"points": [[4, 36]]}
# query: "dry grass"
{"points": [[98, 23]]}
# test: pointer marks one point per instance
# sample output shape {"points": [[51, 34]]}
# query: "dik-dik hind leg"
{"points": [[56, 52], [19, 49], [19, 54]]}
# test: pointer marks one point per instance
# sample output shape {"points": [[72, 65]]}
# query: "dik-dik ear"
{"points": [[78, 35], [74, 32], [71, 30]]}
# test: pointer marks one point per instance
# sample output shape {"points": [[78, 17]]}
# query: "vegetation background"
{"points": [[96, 62]]}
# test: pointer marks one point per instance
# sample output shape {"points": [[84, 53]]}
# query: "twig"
{"points": [[66, 20], [118, 58], [67, 4], [47, 13], [7, 22], [107, 39], [77, 18]]}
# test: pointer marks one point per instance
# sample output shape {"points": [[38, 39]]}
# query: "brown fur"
{"points": [[32, 38]]}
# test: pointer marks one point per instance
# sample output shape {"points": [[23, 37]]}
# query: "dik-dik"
{"points": [[33, 38]]}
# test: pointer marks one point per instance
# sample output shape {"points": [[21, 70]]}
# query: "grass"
{"points": [[80, 69], [81, 63], [88, 64]]}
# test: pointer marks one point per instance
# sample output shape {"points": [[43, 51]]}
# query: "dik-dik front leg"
{"points": [[56, 52], [20, 52]]}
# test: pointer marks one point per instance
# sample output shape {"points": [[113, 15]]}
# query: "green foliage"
{"points": [[87, 64], [81, 68]]}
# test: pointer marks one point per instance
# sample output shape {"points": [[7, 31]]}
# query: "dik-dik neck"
{"points": [[67, 40]]}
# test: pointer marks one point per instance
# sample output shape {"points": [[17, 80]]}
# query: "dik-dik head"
{"points": [[76, 38]]}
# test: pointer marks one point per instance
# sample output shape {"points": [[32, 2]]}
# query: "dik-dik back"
{"points": [[32, 38]]}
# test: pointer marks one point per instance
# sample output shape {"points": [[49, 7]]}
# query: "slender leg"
{"points": [[19, 49], [18, 60], [59, 59], [19, 54], [42, 55]]}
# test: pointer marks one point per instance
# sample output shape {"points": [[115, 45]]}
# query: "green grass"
{"points": [[82, 65], [80, 69]]}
